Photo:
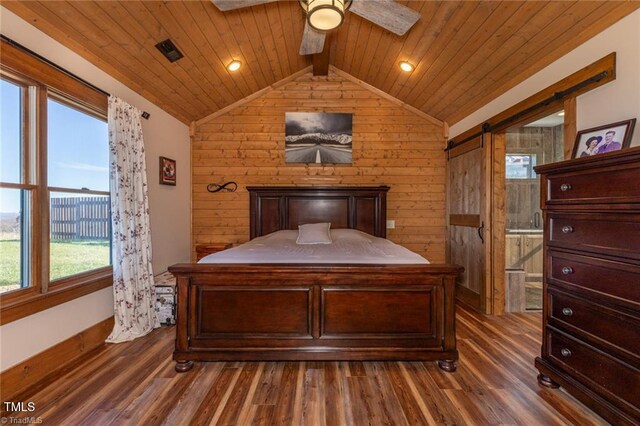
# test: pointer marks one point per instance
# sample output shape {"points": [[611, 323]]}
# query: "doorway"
{"points": [[527, 146]]}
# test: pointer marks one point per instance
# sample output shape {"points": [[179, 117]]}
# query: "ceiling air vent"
{"points": [[169, 50]]}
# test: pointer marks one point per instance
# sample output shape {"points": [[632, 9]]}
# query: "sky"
{"points": [[300, 123], [78, 153]]}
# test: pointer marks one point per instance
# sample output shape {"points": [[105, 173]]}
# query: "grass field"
{"points": [[67, 258]]}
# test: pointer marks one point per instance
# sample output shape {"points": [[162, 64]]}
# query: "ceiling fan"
{"points": [[326, 15]]}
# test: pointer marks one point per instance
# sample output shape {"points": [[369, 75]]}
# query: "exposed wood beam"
{"points": [[321, 60]]}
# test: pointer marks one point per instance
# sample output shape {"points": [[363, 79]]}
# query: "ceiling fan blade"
{"points": [[386, 13], [312, 41], [225, 5]]}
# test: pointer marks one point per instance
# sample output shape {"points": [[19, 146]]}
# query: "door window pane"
{"points": [[520, 166], [14, 239], [10, 132], [78, 151], [80, 233]]}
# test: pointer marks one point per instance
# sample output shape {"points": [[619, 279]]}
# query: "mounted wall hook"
{"points": [[227, 186]]}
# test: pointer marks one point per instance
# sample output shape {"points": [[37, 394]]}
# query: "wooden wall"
{"points": [[391, 145]]}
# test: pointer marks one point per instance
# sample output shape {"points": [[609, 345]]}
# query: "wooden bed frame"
{"points": [[232, 312]]}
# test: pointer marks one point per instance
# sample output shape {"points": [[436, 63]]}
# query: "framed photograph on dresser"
{"points": [[600, 140]]}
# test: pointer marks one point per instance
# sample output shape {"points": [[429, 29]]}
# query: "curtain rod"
{"points": [[487, 127], [66, 72]]}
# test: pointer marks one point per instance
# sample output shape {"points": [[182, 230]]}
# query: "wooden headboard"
{"points": [[273, 208]]}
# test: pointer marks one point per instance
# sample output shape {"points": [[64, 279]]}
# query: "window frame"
{"points": [[40, 80]]}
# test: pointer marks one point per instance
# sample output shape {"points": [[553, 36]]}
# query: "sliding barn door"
{"points": [[468, 225]]}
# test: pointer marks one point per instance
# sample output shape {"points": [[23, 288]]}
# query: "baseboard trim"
{"points": [[44, 366]]}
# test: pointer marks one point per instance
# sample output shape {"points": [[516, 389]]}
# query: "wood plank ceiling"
{"points": [[466, 53]]}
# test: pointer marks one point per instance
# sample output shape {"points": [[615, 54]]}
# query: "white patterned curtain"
{"points": [[131, 248]]}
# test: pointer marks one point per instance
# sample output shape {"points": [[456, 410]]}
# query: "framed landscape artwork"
{"points": [[318, 137], [603, 139]]}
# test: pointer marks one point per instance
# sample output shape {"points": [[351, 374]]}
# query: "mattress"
{"points": [[348, 246]]}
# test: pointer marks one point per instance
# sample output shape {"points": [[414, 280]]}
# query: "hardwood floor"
{"points": [[135, 383]]}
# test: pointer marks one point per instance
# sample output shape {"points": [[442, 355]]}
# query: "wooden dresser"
{"points": [[591, 325]]}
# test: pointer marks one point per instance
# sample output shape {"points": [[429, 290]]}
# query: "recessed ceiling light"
{"points": [[406, 66], [234, 65], [561, 113]]}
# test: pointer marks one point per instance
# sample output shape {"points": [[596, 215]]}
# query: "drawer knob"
{"points": [[567, 270], [565, 352], [565, 187], [567, 229], [567, 311]]}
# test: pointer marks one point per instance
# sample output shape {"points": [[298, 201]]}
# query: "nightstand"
{"points": [[165, 294], [203, 250]]}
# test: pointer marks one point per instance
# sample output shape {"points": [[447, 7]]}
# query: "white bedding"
{"points": [[349, 246]]}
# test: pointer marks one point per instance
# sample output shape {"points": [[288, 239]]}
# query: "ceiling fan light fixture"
{"points": [[325, 15], [406, 66], [234, 65]]}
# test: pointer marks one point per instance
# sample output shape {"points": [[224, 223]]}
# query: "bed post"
{"points": [[449, 288], [182, 332]]}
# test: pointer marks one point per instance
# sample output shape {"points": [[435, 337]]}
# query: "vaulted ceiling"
{"points": [[466, 53]]}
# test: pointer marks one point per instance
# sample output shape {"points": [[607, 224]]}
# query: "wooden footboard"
{"points": [[315, 312]]}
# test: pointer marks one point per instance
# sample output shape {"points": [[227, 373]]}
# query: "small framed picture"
{"points": [[603, 139], [167, 171]]}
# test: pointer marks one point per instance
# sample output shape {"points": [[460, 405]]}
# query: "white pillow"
{"points": [[314, 233]]}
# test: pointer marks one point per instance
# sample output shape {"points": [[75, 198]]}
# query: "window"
{"points": [[78, 175], [11, 108], [14, 246], [55, 239], [15, 192], [520, 166]]}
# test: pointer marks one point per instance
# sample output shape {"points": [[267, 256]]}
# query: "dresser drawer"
{"points": [[615, 234], [609, 279], [613, 379], [595, 186], [602, 323]]}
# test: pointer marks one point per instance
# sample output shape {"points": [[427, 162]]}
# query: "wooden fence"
{"points": [[80, 218]]}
